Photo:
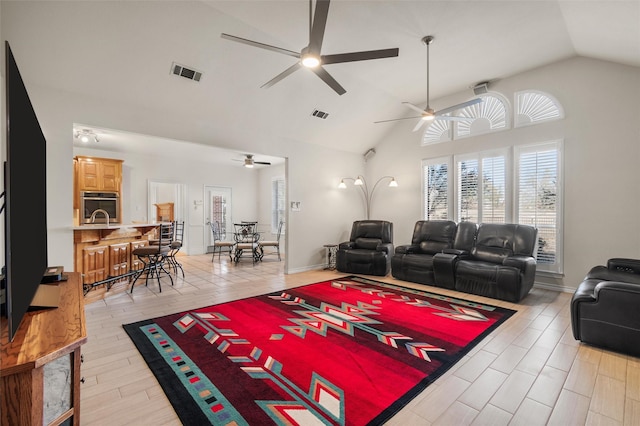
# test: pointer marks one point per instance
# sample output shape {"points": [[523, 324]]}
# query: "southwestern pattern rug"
{"points": [[349, 351]]}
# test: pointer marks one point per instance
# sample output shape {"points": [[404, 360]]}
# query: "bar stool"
{"points": [[153, 258]]}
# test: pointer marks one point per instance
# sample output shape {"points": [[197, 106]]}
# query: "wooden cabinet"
{"points": [[40, 375], [98, 174], [95, 263], [119, 259]]}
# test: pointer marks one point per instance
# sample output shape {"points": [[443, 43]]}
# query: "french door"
{"points": [[218, 208]]}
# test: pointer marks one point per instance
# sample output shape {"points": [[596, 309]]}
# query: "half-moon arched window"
{"points": [[533, 106], [487, 116], [437, 131]]}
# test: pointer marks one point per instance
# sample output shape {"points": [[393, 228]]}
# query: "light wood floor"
{"points": [[530, 371]]}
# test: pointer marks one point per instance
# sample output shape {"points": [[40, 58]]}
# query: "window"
{"points": [[479, 189], [533, 106], [487, 116], [278, 202], [436, 187], [437, 131], [538, 199]]}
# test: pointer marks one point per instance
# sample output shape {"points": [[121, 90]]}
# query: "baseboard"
{"points": [[307, 268], [554, 287]]}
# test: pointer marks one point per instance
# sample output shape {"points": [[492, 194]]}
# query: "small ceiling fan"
{"points": [[428, 114], [249, 162], [310, 56]]}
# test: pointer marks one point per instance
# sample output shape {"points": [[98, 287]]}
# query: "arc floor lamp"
{"points": [[362, 183]]}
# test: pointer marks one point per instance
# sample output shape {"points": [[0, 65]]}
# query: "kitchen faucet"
{"points": [[93, 215]]}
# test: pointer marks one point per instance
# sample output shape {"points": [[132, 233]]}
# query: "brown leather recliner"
{"points": [[368, 250], [604, 308]]}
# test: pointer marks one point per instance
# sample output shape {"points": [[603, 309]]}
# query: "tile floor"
{"points": [[530, 371]]}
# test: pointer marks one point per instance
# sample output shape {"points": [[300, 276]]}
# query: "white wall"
{"points": [[601, 133], [312, 176]]}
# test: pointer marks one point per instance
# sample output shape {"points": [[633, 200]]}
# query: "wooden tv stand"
{"points": [[43, 359]]}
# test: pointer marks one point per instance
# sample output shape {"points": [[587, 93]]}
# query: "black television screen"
{"points": [[25, 185]]}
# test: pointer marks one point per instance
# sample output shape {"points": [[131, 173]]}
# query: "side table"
{"points": [[332, 249]]}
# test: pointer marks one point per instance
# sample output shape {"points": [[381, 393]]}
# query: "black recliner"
{"points": [[501, 264], [604, 308], [414, 262], [368, 250]]}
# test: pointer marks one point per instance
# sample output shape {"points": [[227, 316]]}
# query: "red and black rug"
{"points": [[350, 351]]}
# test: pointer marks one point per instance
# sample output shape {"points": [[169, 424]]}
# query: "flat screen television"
{"points": [[25, 186]]}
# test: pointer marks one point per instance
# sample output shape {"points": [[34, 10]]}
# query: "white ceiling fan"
{"points": [[310, 56], [428, 114]]}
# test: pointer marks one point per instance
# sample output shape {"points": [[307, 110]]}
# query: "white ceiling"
{"points": [[122, 51]]}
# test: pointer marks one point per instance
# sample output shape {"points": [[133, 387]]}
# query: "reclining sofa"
{"points": [[604, 308], [493, 260]]}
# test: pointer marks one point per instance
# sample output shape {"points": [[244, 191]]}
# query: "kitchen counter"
{"points": [[91, 226], [102, 251]]}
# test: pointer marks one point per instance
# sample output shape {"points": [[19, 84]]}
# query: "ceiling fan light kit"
{"points": [[310, 56]]}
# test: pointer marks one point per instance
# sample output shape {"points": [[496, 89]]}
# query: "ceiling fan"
{"points": [[249, 162], [428, 114], [310, 56]]}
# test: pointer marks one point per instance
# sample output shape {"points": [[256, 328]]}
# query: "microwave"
{"points": [[107, 201]]}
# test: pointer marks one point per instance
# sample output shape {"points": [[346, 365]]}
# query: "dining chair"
{"points": [[219, 243], [272, 243], [176, 245], [153, 258], [246, 241]]}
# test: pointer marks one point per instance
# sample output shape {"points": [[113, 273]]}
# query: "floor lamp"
{"points": [[362, 183]]}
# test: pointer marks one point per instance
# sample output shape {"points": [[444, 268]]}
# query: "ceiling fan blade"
{"points": [[359, 56], [282, 75], [262, 162], [420, 123], [396, 119], [459, 106], [319, 23], [261, 45], [453, 118], [414, 107], [326, 77]]}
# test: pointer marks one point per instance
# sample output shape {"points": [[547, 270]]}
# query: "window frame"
{"points": [[558, 145], [512, 183], [508, 180]]}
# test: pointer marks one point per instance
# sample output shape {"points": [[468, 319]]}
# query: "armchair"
{"points": [[604, 307], [368, 250]]}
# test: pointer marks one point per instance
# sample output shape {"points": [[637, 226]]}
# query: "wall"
{"points": [[313, 175], [601, 133]]}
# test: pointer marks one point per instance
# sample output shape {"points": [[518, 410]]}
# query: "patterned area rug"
{"points": [[350, 351]]}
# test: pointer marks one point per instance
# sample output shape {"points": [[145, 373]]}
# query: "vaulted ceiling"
{"points": [[123, 51]]}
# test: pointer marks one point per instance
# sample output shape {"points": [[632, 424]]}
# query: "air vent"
{"points": [[182, 71], [319, 114]]}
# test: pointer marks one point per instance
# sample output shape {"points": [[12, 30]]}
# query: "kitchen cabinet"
{"points": [[98, 174], [95, 263], [119, 260]]}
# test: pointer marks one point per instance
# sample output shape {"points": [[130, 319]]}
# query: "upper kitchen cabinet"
{"points": [[98, 174]]}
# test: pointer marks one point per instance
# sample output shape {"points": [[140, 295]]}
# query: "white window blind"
{"points": [[278, 200], [467, 189], [436, 190], [493, 190], [538, 201]]}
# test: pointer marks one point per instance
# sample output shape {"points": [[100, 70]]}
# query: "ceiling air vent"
{"points": [[182, 71], [319, 114]]}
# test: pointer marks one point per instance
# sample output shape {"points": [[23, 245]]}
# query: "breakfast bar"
{"points": [[103, 252]]}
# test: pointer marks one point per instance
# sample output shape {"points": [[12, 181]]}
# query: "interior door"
{"points": [[217, 208]]}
